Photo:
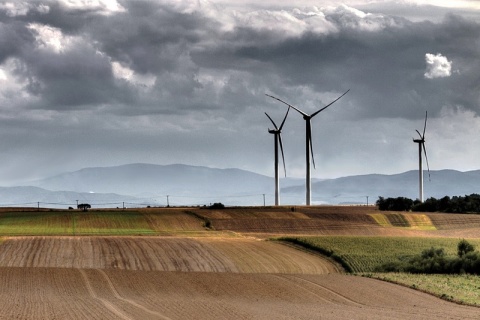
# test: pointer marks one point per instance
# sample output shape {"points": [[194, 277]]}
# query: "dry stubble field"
{"points": [[184, 271]]}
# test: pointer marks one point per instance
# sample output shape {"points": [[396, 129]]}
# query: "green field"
{"points": [[101, 222], [362, 254]]}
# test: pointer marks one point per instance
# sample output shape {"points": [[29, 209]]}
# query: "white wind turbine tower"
{"points": [[308, 142], [278, 140], [421, 145]]}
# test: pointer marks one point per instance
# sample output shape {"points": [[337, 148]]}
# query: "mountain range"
{"points": [[177, 184]]}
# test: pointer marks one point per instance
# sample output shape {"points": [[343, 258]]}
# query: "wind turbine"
{"points": [[308, 142], [421, 145], [278, 140]]}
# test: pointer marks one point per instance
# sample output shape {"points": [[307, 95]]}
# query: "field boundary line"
{"points": [[118, 296], [107, 304]]}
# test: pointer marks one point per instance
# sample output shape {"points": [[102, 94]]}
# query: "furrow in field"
{"points": [[38, 293], [333, 295], [157, 315], [455, 221], [107, 304], [253, 256], [161, 254], [61, 293]]}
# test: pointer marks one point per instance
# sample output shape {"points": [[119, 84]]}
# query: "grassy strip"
{"points": [[464, 289], [74, 223], [102, 222]]}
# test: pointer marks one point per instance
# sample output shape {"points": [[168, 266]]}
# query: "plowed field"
{"points": [[342, 220], [56, 293], [235, 255], [229, 275]]}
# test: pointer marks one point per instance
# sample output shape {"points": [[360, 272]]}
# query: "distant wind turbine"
{"points": [[421, 145], [278, 140], [308, 143]]}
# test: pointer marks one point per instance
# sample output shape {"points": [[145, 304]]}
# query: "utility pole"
{"points": [[367, 201]]}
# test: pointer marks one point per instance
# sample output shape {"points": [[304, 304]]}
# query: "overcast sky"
{"points": [[105, 82]]}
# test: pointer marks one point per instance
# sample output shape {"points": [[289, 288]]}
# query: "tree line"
{"points": [[457, 204]]}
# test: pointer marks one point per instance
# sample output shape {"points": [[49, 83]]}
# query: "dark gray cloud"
{"points": [[177, 81]]}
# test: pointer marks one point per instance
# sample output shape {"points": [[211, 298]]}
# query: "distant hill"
{"points": [[147, 184], [184, 184], [147, 179], [354, 189]]}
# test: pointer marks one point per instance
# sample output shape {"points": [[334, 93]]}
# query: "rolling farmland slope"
{"points": [[176, 263]]}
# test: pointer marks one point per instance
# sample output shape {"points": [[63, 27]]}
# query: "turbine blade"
{"points": [[303, 113], [328, 105], [425, 126], [283, 122], [310, 142], [426, 160], [419, 134], [283, 156], [272, 121]]}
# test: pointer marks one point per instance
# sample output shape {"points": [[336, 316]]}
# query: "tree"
{"points": [[84, 206]]}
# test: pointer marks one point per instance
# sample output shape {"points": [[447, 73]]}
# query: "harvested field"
{"points": [[50, 293], [445, 221]]}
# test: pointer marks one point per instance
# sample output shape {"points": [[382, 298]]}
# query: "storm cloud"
{"points": [[114, 82]]}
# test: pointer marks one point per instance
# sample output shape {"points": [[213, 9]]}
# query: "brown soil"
{"points": [[68, 293], [238, 277], [340, 220], [233, 255]]}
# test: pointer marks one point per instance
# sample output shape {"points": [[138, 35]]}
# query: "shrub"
{"points": [[464, 247], [217, 205]]}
